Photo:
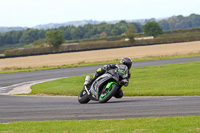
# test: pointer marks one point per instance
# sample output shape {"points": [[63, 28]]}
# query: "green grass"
{"points": [[15, 69], [189, 124], [165, 80]]}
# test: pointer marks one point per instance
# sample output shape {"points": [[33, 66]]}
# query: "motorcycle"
{"points": [[105, 86]]}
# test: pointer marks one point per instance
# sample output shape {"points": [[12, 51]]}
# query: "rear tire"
{"points": [[83, 97], [112, 92]]}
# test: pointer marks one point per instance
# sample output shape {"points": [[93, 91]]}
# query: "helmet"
{"points": [[126, 61]]}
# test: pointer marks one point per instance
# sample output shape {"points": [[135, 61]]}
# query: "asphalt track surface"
{"points": [[31, 108]]}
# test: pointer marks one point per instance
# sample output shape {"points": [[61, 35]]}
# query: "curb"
{"points": [[26, 88]]}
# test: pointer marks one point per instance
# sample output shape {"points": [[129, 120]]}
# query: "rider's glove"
{"points": [[124, 82]]}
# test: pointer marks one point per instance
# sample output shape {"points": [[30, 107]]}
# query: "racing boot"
{"points": [[119, 94], [87, 79], [88, 82]]}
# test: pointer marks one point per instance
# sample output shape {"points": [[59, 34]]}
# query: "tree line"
{"points": [[180, 22], [97, 31], [21, 37], [69, 32]]}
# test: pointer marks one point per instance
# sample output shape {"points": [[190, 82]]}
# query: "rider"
{"points": [[125, 61]]}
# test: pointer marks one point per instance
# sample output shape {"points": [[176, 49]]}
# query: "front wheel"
{"points": [[83, 97], [107, 93]]}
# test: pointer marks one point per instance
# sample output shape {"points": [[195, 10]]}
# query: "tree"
{"points": [[103, 34], [28, 36], [38, 42], [152, 29], [76, 33], [1, 41], [164, 24], [54, 37], [130, 33], [114, 32]]}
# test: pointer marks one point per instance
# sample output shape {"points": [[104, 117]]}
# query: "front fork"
{"points": [[91, 96], [88, 92]]}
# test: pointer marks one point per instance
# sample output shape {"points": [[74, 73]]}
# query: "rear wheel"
{"points": [[107, 93], [83, 97]]}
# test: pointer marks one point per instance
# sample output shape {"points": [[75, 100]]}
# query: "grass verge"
{"points": [[164, 80], [138, 125], [17, 69]]}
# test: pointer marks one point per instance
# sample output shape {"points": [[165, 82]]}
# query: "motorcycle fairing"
{"points": [[99, 83]]}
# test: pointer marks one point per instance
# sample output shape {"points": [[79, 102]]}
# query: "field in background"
{"points": [[173, 49]]}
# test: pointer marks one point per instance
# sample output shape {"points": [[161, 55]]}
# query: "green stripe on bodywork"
{"points": [[109, 85]]}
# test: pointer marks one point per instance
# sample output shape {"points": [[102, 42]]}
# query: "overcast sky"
{"points": [[34, 12]]}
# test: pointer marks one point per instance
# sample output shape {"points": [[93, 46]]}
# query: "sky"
{"points": [[29, 13]]}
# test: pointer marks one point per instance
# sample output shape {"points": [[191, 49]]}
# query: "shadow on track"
{"points": [[115, 101]]}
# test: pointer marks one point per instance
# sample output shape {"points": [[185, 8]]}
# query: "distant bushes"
{"points": [[28, 51], [178, 39], [180, 31], [2, 51], [110, 38], [64, 48], [97, 45]]}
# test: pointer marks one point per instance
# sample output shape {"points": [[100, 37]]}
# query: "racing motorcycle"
{"points": [[105, 86]]}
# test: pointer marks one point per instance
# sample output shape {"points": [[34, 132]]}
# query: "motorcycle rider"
{"points": [[125, 61]]}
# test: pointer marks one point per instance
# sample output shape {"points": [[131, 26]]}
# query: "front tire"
{"points": [[83, 97], [107, 94]]}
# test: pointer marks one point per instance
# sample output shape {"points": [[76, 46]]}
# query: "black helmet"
{"points": [[126, 61]]}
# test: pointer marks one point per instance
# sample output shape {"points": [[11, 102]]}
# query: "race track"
{"points": [[26, 108], [31, 108]]}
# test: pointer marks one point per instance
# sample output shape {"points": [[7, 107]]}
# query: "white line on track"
{"points": [[25, 83], [3, 88]]}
